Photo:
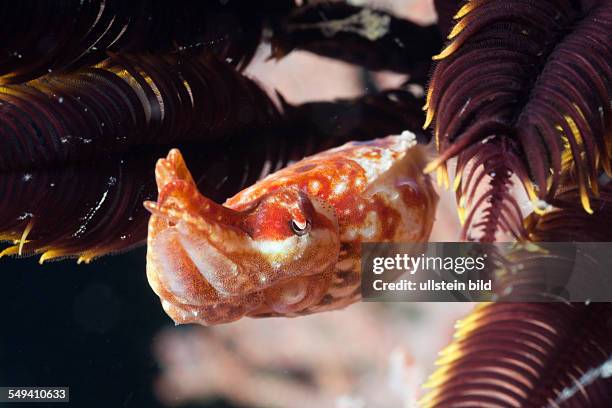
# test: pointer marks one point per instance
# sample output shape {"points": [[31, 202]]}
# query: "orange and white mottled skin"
{"points": [[290, 244]]}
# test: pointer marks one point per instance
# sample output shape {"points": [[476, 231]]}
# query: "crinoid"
{"points": [[523, 89]]}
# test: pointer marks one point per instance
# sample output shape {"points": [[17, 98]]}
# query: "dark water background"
{"points": [[88, 327]]}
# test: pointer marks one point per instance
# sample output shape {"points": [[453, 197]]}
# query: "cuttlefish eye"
{"points": [[300, 229]]}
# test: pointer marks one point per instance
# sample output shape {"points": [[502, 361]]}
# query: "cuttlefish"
{"points": [[290, 244]]}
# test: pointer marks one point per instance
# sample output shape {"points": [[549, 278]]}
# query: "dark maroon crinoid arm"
{"points": [[38, 37], [527, 355], [123, 103], [535, 354], [522, 89]]}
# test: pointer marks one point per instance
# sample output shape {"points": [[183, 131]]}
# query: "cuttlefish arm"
{"points": [[290, 244]]}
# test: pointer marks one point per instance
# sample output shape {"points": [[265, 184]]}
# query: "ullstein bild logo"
{"points": [[509, 272]]}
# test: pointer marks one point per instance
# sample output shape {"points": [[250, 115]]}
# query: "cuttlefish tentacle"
{"points": [[290, 244]]}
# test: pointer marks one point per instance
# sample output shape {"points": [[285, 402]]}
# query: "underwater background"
{"points": [[88, 327]]}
